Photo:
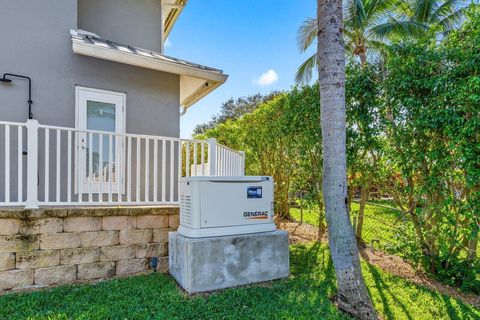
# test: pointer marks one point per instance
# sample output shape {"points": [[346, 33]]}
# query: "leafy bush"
{"points": [[432, 116]]}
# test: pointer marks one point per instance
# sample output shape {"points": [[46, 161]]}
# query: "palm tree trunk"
{"points": [[352, 293], [363, 58]]}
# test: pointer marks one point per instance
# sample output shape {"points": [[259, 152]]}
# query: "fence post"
{"points": [[242, 163], [212, 156], [32, 164]]}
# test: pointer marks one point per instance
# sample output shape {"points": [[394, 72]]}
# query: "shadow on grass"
{"points": [[383, 290], [401, 299], [309, 259], [454, 315], [456, 312]]}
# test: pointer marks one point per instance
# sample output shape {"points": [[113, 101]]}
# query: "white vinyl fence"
{"points": [[229, 162], [13, 176], [59, 166]]}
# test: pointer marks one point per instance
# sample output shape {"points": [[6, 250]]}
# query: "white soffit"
{"points": [[196, 81], [171, 9]]}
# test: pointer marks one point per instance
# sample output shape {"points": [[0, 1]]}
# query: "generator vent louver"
{"points": [[185, 210]]}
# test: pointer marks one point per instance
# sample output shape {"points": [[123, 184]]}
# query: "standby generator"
{"points": [[219, 206]]}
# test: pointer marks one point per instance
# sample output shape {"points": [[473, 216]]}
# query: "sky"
{"points": [[253, 41]]}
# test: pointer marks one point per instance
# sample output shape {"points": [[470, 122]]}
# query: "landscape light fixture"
{"points": [[4, 79], [154, 263]]}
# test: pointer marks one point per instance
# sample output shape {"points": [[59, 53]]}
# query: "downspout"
{"points": [[183, 110]]}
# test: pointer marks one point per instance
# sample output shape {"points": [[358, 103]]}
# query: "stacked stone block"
{"points": [[46, 247]]}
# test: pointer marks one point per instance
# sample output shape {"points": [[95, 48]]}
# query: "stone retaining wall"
{"points": [[53, 246]]}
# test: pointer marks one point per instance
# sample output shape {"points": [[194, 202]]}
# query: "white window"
{"points": [[99, 157]]}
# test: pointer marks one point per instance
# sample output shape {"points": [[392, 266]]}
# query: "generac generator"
{"points": [[218, 206]]}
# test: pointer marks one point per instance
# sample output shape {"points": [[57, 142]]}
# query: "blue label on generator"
{"points": [[254, 192]]}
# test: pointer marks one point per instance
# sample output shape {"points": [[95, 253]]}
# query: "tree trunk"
{"points": [[301, 211], [321, 223], [361, 211], [363, 57], [472, 250], [352, 293]]}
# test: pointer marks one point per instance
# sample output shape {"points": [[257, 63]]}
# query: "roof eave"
{"points": [[210, 79], [172, 16]]}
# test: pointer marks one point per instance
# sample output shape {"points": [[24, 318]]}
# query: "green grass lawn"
{"points": [[380, 225], [305, 295]]}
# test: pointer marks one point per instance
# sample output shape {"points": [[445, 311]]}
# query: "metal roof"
{"points": [[93, 39]]}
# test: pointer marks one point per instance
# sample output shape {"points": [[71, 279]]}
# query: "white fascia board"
{"points": [[92, 50]]}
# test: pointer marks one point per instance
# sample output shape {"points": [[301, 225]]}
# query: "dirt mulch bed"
{"points": [[305, 233], [300, 233]]}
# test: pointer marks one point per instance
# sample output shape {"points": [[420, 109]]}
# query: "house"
{"points": [[90, 153], [107, 104]]}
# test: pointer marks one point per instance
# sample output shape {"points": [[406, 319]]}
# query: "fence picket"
{"points": [[47, 164], [172, 169], [100, 168], [7, 163], [20, 164], [90, 166], [69, 167], [129, 170], [187, 159], [155, 170], [202, 162], [164, 173], [137, 194], [147, 167], [195, 159], [58, 165], [110, 169]]}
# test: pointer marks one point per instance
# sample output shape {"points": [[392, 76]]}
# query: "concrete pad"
{"points": [[207, 264]]}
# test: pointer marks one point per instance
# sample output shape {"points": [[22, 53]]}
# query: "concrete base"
{"points": [[207, 264]]}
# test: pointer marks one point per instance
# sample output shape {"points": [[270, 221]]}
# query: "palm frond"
{"points": [[306, 34], [377, 45], [405, 8], [398, 28], [444, 9], [423, 10], [451, 21], [375, 9], [348, 34], [305, 71], [354, 14], [349, 47]]}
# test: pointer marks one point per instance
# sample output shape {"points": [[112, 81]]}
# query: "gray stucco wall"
{"points": [[35, 41], [134, 22]]}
